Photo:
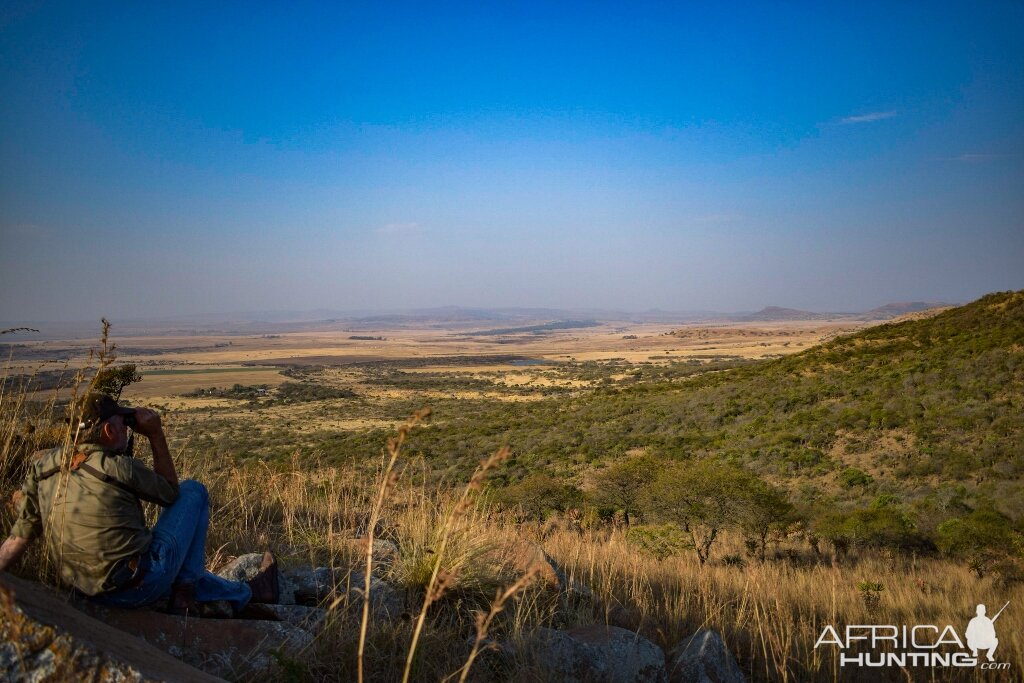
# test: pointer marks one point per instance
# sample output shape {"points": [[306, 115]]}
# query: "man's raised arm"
{"points": [[148, 424]]}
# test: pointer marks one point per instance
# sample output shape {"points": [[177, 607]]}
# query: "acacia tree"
{"points": [[620, 486], [705, 498], [702, 497], [765, 511]]}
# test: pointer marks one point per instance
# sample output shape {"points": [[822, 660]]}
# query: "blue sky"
{"points": [[644, 155]]}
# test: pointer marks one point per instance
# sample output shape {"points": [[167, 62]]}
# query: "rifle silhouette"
{"points": [[1000, 611]]}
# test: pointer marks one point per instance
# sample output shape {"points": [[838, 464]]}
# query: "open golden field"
{"points": [[174, 365]]}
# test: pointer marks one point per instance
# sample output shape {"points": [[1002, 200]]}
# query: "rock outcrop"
{"points": [[385, 552], [225, 647], [599, 653], [704, 658], [313, 585], [310, 619], [322, 586], [43, 639]]}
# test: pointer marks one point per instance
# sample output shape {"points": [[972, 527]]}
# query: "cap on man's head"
{"points": [[99, 408]]}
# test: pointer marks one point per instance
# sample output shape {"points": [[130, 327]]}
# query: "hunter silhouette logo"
{"points": [[981, 632]]}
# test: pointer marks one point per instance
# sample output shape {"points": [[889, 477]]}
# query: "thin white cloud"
{"points": [[398, 229], [869, 117]]}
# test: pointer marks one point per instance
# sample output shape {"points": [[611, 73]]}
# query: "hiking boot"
{"points": [[264, 585], [183, 600]]}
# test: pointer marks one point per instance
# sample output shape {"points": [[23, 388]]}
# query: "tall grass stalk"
{"points": [[435, 589], [388, 480]]}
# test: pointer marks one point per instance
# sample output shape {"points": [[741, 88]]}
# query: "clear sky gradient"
{"points": [[217, 157]]}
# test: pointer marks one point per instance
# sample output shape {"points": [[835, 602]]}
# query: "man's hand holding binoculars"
{"points": [[145, 421]]}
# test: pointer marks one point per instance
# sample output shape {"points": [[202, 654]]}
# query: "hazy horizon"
{"points": [[490, 314], [210, 160]]}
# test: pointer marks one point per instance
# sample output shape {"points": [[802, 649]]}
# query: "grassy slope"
{"points": [[925, 407], [928, 402]]}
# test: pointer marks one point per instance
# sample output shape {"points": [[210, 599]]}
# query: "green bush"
{"points": [[851, 477], [659, 541], [981, 539], [540, 495]]}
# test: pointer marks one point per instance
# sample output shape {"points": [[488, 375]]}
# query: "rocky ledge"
{"points": [[46, 636]]}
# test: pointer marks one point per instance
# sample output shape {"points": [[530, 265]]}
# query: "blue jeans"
{"points": [[177, 554]]}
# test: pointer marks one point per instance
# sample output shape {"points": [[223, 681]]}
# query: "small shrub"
{"points": [[659, 542], [851, 477], [734, 560], [871, 594]]}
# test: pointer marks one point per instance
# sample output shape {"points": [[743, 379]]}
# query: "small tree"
{"points": [[112, 380], [539, 495], [702, 497], [620, 486], [765, 512], [981, 539]]}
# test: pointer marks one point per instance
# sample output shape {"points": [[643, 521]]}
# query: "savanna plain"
{"points": [[763, 479]]}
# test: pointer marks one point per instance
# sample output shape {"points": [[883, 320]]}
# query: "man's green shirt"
{"points": [[91, 516]]}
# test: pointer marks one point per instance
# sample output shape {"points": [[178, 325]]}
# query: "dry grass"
{"points": [[770, 614]]}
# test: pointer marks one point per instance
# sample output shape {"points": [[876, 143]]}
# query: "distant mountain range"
{"points": [[442, 318], [886, 312]]}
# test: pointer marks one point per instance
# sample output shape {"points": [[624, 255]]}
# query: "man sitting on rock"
{"points": [[88, 507]]}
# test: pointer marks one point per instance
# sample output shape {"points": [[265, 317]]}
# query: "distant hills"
{"points": [[886, 312], [902, 308], [442, 317], [777, 313]]}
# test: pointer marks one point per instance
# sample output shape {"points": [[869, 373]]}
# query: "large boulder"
{"points": [[312, 586], [246, 567], [704, 658], [599, 653], [385, 601], [324, 586], [44, 639]]}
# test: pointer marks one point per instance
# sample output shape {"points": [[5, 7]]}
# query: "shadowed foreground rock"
{"points": [[599, 653], [43, 639], [324, 585], [385, 553], [225, 647], [703, 658]]}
